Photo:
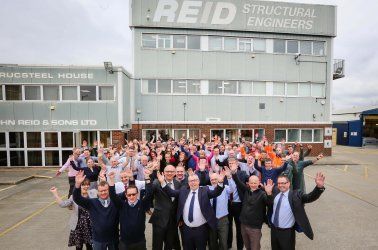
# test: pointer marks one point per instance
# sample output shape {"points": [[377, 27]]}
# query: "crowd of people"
{"points": [[195, 192]]}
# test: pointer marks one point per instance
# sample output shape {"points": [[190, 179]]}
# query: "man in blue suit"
{"points": [[195, 210]]}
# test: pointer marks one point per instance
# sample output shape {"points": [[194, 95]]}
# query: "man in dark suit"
{"points": [[288, 213], [163, 219], [195, 210]]}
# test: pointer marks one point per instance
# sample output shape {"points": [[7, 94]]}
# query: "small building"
{"points": [[356, 126]]}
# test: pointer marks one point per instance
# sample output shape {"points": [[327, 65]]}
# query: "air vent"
{"points": [[261, 105], [212, 119]]}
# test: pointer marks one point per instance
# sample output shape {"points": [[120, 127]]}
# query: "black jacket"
{"points": [[297, 199], [164, 207], [253, 213]]}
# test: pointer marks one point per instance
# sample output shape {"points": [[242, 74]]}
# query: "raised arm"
{"points": [[112, 193], [61, 203], [218, 189], [318, 190], [169, 191], [78, 199]]}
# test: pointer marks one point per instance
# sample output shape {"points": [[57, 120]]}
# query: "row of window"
{"points": [[56, 93], [289, 135], [232, 44], [44, 148], [165, 86], [298, 135]]}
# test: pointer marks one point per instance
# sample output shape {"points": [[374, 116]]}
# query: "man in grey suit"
{"points": [[163, 219]]}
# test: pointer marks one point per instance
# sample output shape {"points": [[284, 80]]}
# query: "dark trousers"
{"points": [[135, 246], [71, 182], [167, 236], [88, 247], [234, 214], [218, 237], [195, 238], [282, 239]]}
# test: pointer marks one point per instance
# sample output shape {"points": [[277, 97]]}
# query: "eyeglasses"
{"points": [[133, 194], [281, 183]]}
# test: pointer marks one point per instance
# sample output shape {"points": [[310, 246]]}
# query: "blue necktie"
{"points": [[277, 213], [191, 207], [215, 205]]}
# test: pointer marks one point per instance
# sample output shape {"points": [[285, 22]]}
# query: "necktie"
{"points": [[277, 213], [191, 207], [126, 186], [215, 205]]}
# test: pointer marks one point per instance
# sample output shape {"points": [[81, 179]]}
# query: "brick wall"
{"points": [[118, 137], [136, 133]]}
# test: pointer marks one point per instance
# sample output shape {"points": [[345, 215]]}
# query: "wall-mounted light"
{"points": [[109, 67], [296, 58], [52, 107], [253, 56], [173, 52]]}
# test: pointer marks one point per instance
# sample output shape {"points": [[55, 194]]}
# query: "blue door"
{"points": [[355, 133]]}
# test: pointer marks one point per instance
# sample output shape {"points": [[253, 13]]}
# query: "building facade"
{"points": [[234, 69], [47, 110]]}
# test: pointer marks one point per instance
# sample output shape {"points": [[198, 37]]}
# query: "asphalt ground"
{"points": [[345, 216]]}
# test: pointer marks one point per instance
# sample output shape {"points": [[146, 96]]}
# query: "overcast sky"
{"points": [[89, 32]]}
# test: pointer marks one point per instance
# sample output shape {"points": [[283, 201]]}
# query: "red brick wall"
{"points": [[317, 148], [118, 137]]}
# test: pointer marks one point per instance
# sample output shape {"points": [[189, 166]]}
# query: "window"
{"points": [[279, 134], [106, 93], [180, 133], [319, 48], [259, 88], [179, 86], [67, 139], [194, 134], [13, 92], [3, 158], [164, 86], [105, 138], [230, 44], [306, 135], [232, 135], [292, 89], [259, 45], [215, 43], [304, 89], [317, 90], [318, 135], [245, 88], [215, 87], [149, 41], [16, 139], [164, 41], [179, 42], [279, 88], [246, 135], [245, 44], [35, 158], [216, 132], [306, 47], [51, 140], [194, 87], [33, 139], [51, 158], [88, 93], [279, 46], [293, 135], [292, 46], [50, 93], [2, 140], [259, 133], [230, 87], [17, 158], [194, 42], [32, 92], [69, 93], [149, 86]]}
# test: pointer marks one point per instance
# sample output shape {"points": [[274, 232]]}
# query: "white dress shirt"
{"points": [[286, 217], [198, 218]]}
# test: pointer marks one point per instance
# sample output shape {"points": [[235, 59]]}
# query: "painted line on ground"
{"points": [[9, 229], [346, 192], [8, 188]]}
